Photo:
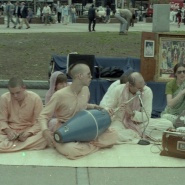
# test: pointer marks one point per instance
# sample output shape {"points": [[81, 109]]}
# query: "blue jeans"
{"points": [[123, 22]]}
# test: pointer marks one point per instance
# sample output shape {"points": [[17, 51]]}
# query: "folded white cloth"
{"points": [[181, 129]]}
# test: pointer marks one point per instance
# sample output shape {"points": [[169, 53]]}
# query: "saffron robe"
{"points": [[65, 104], [21, 119]]}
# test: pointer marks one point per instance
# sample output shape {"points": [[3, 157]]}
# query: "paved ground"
{"points": [[31, 175], [82, 27], [35, 175]]}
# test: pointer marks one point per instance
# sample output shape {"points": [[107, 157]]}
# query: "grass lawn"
{"points": [[28, 55]]}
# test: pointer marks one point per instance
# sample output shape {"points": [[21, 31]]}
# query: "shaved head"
{"points": [[15, 82], [136, 82], [74, 70], [134, 78]]}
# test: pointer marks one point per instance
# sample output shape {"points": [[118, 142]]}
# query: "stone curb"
{"points": [[30, 84]]}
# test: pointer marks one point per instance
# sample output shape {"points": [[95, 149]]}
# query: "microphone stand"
{"points": [[146, 142], [138, 94]]}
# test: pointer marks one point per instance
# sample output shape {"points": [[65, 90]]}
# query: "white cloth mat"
{"points": [[119, 156]]}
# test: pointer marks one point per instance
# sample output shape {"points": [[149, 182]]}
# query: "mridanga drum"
{"points": [[86, 125], [173, 144]]}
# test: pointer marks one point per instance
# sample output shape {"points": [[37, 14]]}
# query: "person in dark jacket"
{"points": [[108, 10], [92, 18], [17, 13], [24, 14], [179, 18]]}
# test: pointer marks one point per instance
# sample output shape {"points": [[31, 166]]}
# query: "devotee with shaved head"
{"points": [[19, 110], [131, 107], [65, 104]]}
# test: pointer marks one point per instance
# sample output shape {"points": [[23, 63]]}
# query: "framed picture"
{"points": [[149, 48], [171, 51]]}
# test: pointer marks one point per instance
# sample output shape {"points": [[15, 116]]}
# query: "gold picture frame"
{"points": [[171, 50]]}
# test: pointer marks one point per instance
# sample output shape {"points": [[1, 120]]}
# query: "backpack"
{"points": [[114, 72]]}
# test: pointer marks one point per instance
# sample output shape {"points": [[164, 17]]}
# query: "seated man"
{"points": [[65, 103], [19, 110], [131, 112]]}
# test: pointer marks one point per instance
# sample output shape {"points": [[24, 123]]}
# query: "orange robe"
{"points": [[21, 119], [65, 104]]}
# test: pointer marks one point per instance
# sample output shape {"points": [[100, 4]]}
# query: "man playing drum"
{"points": [[65, 103]]}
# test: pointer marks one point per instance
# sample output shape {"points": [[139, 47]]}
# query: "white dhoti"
{"points": [[156, 127], [125, 135], [154, 130]]}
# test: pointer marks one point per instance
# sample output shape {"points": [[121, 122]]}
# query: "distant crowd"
{"points": [[19, 13]]}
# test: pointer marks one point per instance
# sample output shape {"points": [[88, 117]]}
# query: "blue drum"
{"points": [[86, 125]]}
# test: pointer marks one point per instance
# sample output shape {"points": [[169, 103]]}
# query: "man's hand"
{"points": [[122, 107], [98, 107], [125, 107], [48, 135], [23, 136], [129, 110], [111, 112], [11, 134]]}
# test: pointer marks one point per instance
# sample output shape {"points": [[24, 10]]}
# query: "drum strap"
{"points": [[94, 122]]}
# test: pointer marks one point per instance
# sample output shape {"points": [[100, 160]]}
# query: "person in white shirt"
{"points": [[65, 14], [46, 12], [73, 14]]}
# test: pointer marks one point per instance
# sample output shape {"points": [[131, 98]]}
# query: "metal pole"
{"points": [[82, 8], [141, 19], [122, 4], [35, 11]]}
